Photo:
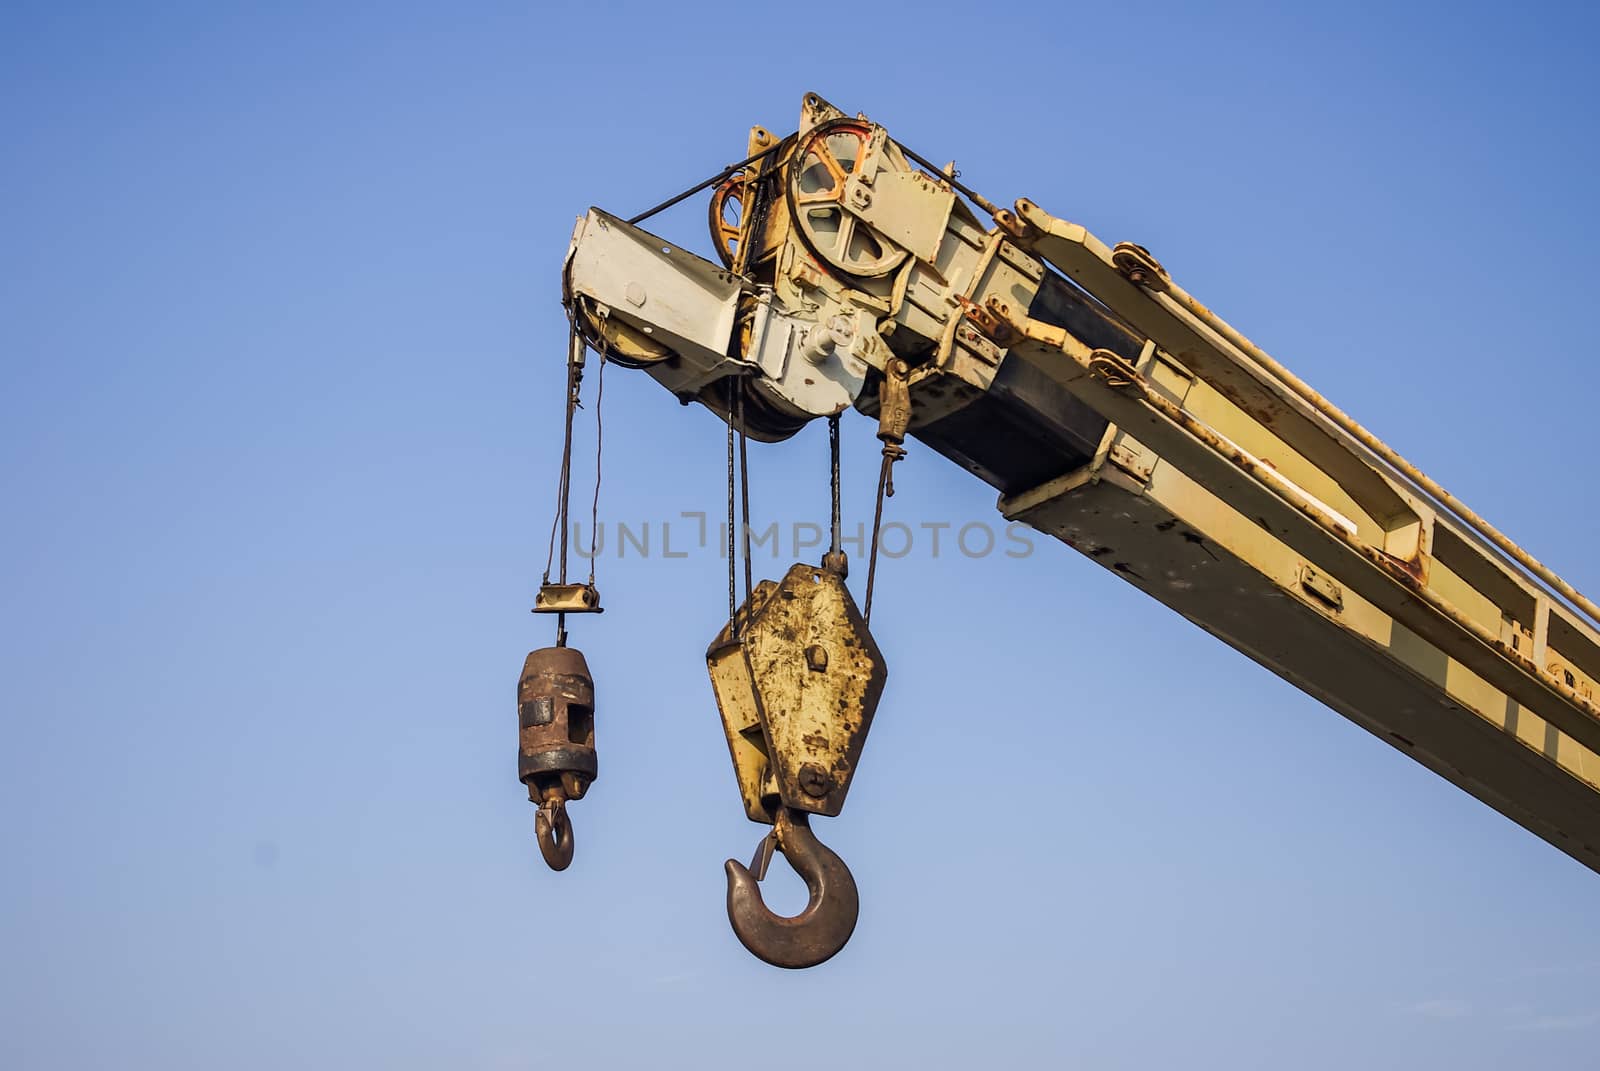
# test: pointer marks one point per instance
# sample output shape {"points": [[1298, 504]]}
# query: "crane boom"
{"points": [[1116, 413]]}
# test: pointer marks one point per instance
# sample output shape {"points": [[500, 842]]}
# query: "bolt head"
{"points": [[813, 782]]}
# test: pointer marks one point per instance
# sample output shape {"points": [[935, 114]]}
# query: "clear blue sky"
{"points": [[280, 352]]}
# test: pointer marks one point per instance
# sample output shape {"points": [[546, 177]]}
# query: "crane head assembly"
{"points": [[1111, 410]]}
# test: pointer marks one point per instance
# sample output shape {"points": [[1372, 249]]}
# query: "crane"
{"points": [[1109, 409]]}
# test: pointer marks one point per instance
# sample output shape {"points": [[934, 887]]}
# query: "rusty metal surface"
{"points": [[818, 707], [819, 931], [894, 404], [810, 675], [725, 216], [797, 689], [1099, 270], [797, 678], [553, 830], [556, 754]]}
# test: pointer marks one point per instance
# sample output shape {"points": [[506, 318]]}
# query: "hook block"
{"points": [[797, 679]]}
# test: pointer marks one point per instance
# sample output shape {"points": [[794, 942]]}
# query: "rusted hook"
{"points": [[554, 830], [828, 920]]}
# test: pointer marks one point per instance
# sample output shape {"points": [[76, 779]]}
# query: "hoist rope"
{"points": [[744, 495], [733, 582], [834, 535]]}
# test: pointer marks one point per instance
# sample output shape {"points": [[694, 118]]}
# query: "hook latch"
{"points": [[553, 829]]}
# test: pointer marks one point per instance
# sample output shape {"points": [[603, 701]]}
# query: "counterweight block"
{"points": [[555, 713], [556, 756]]}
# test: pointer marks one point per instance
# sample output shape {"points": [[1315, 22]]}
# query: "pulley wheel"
{"points": [[822, 164]]}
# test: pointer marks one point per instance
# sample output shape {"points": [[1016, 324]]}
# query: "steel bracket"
{"points": [[567, 599]]}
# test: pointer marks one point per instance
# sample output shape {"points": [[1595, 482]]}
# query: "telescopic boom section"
{"points": [[1113, 411]]}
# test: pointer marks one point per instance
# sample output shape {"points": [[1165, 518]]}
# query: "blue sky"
{"points": [[280, 346]]}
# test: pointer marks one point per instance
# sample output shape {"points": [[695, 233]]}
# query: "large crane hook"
{"points": [[797, 677], [829, 918]]}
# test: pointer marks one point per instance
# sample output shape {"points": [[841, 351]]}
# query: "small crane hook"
{"points": [[554, 830], [828, 920]]}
